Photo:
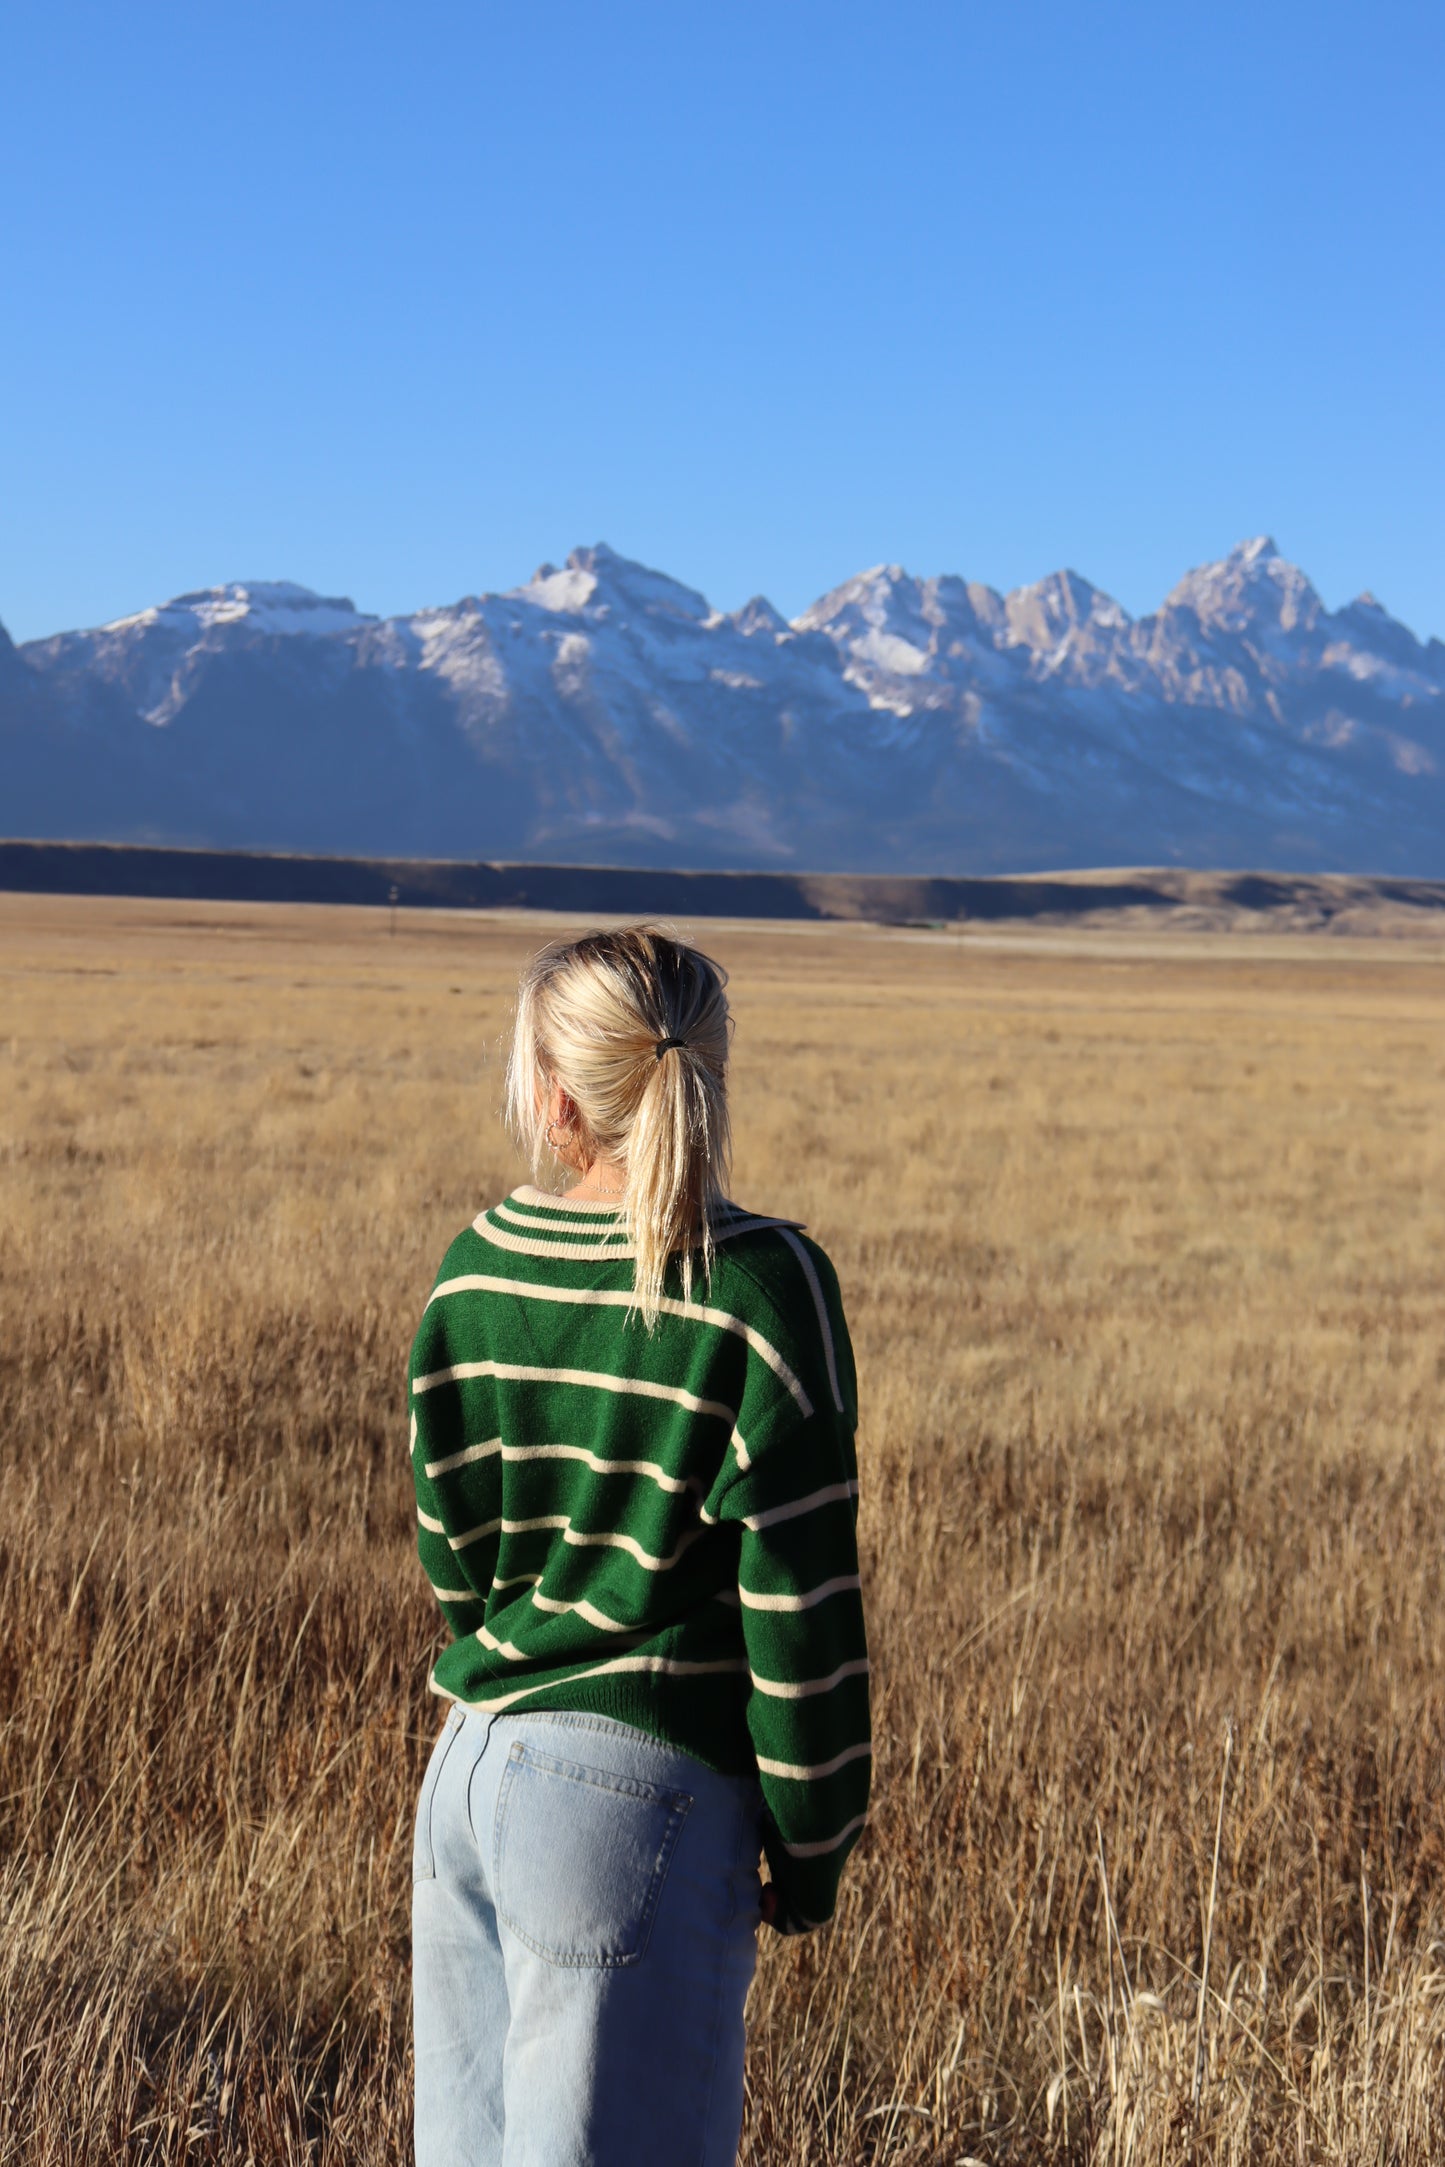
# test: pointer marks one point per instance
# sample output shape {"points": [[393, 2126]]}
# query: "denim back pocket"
{"points": [[580, 1856], [423, 1862]]}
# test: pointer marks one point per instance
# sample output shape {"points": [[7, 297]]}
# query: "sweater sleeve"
{"points": [[795, 1504], [460, 1578]]}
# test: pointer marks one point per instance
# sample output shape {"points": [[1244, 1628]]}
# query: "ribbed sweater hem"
{"points": [[657, 1706]]}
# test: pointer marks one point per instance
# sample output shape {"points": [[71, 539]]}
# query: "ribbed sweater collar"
{"points": [[534, 1199]]}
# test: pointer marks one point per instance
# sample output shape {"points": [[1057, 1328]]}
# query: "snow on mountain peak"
{"points": [[919, 720], [568, 592], [879, 618], [656, 593], [592, 577], [1253, 582], [885, 582], [873, 598], [262, 605]]}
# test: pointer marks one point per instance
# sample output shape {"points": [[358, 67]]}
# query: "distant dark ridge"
{"points": [[1169, 893]]}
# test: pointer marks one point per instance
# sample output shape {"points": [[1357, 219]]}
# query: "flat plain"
{"points": [[1143, 1245]]}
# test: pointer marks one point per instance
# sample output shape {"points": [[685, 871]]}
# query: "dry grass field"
{"points": [[1144, 1249]]}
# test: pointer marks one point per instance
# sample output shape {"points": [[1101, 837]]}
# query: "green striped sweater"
{"points": [[657, 1528]]}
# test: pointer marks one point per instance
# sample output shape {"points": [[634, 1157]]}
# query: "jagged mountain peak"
{"points": [[897, 632], [598, 557], [595, 577], [873, 596], [603, 710], [759, 615], [1368, 614], [1046, 613], [1251, 583], [567, 591]]}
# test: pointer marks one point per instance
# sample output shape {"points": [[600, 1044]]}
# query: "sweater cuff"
{"points": [[807, 1889], [788, 1921]]}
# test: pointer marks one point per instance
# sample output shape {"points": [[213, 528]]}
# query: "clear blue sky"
{"points": [[400, 300]]}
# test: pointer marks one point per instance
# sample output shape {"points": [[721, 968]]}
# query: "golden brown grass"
{"points": [[1144, 1250]]}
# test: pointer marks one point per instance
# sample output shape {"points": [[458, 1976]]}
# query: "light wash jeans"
{"points": [[584, 1931]]}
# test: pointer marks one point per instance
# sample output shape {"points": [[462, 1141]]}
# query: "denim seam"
{"points": [[477, 1759], [431, 1784], [717, 2013], [611, 1726], [604, 1778]]}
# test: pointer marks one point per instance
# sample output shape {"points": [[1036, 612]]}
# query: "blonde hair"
{"points": [[592, 1015]]}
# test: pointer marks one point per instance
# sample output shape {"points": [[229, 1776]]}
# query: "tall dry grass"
{"points": [[1144, 1251]]}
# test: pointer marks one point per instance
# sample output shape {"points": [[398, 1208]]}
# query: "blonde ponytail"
{"points": [[634, 1025]]}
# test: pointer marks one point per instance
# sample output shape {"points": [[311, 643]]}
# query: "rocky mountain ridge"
{"points": [[604, 712]]}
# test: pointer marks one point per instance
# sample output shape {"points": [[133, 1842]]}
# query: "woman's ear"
{"points": [[561, 1107]]}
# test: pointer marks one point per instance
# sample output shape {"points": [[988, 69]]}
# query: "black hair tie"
{"points": [[662, 1045]]}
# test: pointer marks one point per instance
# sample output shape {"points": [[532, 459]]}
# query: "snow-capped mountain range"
{"points": [[604, 713]]}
